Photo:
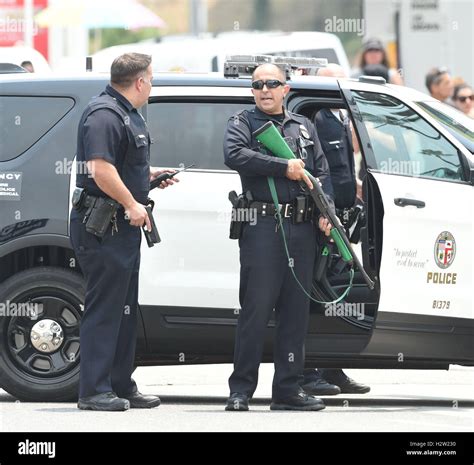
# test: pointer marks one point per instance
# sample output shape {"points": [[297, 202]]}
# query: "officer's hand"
{"points": [[138, 216], [296, 172], [325, 225]]}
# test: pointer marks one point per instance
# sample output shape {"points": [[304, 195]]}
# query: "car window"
{"points": [[25, 119], [403, 142], [190, 132], [456, 122]]}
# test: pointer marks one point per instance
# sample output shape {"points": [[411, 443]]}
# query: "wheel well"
{"points": [[31, 257]]}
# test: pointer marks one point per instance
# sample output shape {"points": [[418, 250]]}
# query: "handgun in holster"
{"points": [[152, 237], [240, 203]]}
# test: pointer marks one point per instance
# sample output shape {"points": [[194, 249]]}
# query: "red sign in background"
{"points": [[12, 25]]}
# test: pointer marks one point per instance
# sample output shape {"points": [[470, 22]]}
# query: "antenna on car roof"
{"points": [[372, 79], [88, 64], [236, 66]]}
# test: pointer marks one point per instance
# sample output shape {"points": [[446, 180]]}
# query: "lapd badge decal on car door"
{"points": [[445, 249]]}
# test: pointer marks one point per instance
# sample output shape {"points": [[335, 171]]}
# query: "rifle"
{"points": [[269, 136]]}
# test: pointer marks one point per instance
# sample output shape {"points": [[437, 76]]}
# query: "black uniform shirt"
{"points": [[243, 153], [336, 140], [120, 139]]}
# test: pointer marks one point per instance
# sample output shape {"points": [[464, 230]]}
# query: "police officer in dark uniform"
{"points": [[113, 142], [266, 281], [334, 130], [339, 144]]}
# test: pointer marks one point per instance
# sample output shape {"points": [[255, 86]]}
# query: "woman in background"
{"points": [[374, 56], [463, 99]]}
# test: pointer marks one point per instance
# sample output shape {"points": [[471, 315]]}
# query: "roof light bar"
{"points": [[237, 66]]}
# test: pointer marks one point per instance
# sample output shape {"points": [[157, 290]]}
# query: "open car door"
{"points": [[340, 329], [422, 175]]}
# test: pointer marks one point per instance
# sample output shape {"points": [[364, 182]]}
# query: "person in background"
{"points": [[28, 66], [439, 83], [339, 144], [463, 99], [376, 70], [373, 53]]}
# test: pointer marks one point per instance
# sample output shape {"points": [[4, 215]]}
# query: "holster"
{"points": [[99, 215], [240, 205], [303, 209], [99, 211]]}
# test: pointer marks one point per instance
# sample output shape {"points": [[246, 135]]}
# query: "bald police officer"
{"points": [[266, 281]]}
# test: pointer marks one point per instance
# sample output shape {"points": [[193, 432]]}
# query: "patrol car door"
{"points": [[191, 278], [422, 174]]}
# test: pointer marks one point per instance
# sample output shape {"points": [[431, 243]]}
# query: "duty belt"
{"points": [[86, 200], [287, 210]]}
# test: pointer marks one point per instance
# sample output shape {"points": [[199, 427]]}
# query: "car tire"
{"points": [[39, 353]]}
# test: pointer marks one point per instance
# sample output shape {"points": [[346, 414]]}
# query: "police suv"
{"points": [[416, 231]]}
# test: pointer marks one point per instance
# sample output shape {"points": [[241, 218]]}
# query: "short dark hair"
{"points": [[373, 44], [26, 63], [434, 76], [128, 67]]}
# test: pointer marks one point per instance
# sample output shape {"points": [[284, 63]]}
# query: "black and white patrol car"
{"points": [[417, 239]]}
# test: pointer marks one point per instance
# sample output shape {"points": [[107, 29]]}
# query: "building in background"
{"points": [[418, 34], [422, 34], [15, 28]]}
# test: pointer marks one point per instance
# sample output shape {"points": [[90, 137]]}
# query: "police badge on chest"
{"points": [[304, 141]]}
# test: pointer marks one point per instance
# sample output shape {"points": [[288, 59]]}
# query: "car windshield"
{"points": [[456, 122]]}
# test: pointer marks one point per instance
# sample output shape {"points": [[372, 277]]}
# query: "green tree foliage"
{"points": [[102, 38]]}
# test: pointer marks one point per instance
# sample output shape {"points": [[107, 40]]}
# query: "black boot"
{"points": [[138, 400], [346, 384], [316, 385], [107, 401], [299, 401], [237, 402]]}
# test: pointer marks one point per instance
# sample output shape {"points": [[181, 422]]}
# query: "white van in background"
{"points": [[208, 54], [18, 54]]}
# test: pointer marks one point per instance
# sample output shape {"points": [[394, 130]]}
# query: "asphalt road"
{"points": [[193, 399]]}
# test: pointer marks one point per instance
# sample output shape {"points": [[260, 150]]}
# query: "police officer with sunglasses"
{"points": [[267, 286]]}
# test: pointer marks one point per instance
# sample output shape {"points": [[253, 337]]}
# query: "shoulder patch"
{"points": [[110, 108], [238, 114], [296, 116]]}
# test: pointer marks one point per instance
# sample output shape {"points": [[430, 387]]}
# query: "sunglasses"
{"points": [[271, 84], [463, 99]]}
